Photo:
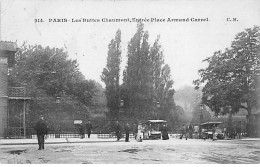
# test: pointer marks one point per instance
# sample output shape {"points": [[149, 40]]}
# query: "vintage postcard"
{"points": [[129, 82]]}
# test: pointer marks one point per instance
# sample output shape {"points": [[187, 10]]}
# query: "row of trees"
{"points": [[230, 82], [232, 77], [147, 85]]}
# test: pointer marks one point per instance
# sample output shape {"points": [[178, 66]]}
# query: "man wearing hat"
{"points": [[41, 131]]}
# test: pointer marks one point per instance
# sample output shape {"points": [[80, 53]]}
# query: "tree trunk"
{"points": [[230, 126]]}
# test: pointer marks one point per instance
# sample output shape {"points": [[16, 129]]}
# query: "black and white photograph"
{"points": [[130, 82]]}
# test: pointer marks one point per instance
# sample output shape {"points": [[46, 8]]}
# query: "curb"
{"points": [[60, 142]]}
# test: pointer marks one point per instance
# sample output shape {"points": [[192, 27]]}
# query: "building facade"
{"points": [[11, 97]]}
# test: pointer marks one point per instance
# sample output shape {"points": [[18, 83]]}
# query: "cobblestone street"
{"points": [[173, 151]]}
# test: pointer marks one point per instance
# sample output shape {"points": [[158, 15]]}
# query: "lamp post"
{"points": [[230, 128], [201, 115], [57, 99], [121, 105], [158, 105], [201, 119], [249, 126]]}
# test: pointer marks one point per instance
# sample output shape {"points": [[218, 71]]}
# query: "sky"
{"points": [[185, 44]]}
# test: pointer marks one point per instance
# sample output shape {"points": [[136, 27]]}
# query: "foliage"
{"points": [[50, 70], [198, 112], [147, 80], [110, 75], [232, 77], [49, 73]]}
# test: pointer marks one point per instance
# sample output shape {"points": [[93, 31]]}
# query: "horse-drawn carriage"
{"points": [[152, 129], [211, 130]]}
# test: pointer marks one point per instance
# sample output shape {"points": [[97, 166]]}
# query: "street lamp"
{"points": [[201, 118], [230, 120], [57, 99], [121, 103], [201, 115], [158, 105]]}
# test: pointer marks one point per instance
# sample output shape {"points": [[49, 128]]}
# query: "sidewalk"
{"points": [[251, 139], [92, 139]]}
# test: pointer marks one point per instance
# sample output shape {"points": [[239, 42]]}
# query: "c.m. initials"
{"points": [[232, 19]]}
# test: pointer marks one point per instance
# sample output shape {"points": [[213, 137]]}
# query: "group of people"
{"points": [[82, 129], [188, 131], [233, 133], [118, 131], [42, 131]]}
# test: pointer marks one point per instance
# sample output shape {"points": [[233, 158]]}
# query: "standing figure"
{"points": [[164, 131], [239, 132], [187, 132], [225, 133], [127, 130], [196, 131], [118, 131], [89, 128], [190, 131], [214, 137], [41, 131], [183, 132], [139, 136], [81, 131], [135, 130]]}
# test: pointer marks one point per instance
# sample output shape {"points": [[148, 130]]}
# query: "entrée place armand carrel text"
{"points": [[87, 20]]}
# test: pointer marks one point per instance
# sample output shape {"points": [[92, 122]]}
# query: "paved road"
{"points": [[175, 151]]}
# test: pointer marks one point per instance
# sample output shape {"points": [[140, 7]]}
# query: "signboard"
{"points": [[77, 121], [3, 60]]}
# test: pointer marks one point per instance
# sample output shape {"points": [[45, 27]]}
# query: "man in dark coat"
{"points": [[89, 128], [164, 131], [190, 131], [41, 131], [127, 130], [81, 131], [118, 131]]}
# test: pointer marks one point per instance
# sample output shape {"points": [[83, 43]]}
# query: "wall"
{"points": [[3, 94]]}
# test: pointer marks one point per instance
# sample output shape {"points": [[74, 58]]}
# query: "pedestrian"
{"points": [[135, 130], [239, 132], [41, 131], [89, 128], [183, 132], [187, 132], [81, 131], [196, 131], [225, 133], [214, 136], [118, 130], [164, 132], [190, 131], [127, 130]]}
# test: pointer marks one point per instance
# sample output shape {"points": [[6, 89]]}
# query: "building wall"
{"points": [[3, 95]]}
